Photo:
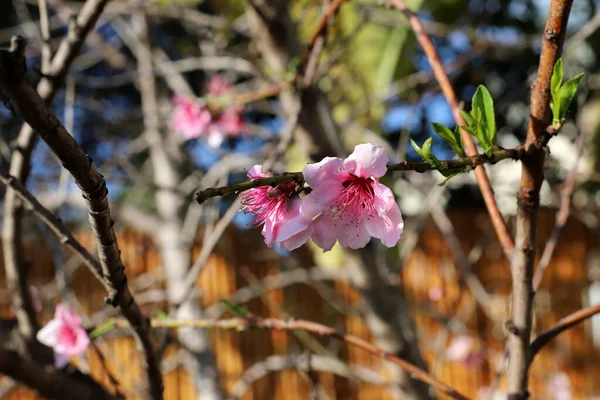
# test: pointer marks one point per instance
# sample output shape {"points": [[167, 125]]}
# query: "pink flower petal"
{"points": [[295, 230], [352, 233], [325, 179], [324, 174], [48, 335], [367, 161], [459, 348], [387, 226], [269, 231], [324, 232], [60, 360]]}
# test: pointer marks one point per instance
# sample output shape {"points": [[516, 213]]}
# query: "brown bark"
{"points": [[14, 260], [28, 105], [532, 177], [49, 382]]}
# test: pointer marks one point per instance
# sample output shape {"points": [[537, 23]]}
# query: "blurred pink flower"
{"points": [[218, 86], [279, 213], [65, 335], [192, 120], [460, 348], [189, 118], [347, 202], [435, 293], [559, 387], [475, 359], [229, 123]]}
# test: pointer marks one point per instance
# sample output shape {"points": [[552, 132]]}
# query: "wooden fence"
{"points": [[275, 375]]}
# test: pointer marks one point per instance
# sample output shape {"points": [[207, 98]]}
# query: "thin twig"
{"points": [[54, 224], [45, 35], [469, 162], [562, 325], [473, 283], [316, 43], [244, 324], [561, 216], [28, 105], [440, 74], [532, 177], [302, 362]]}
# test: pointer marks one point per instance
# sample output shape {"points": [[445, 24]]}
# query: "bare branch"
{"points": [[532, 177], [467, 162], [54, 224], [20, 165], [28, 105], [242, 324], [565, 323], [440, 74], [49, 382], [306, 363]]}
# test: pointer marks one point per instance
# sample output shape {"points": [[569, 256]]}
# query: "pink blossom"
{"points": [[559, 387], [189, 118], [347, 202], [435, 293], [460, 348], [277, 211], [230, 123], [215, 122], [218, 86], [64, 334]]}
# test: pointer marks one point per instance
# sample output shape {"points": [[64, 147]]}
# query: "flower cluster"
{"points": [[344, 202], [194, 118], [65, 335]]}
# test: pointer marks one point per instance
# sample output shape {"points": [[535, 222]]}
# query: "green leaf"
{"points": [[562, 93], [483, 107], [468, 119], [162, 315], [426, 154], [451, 173], [566, 94], [417, 148], [103, 329], [477, 129], [240, 311], [557, 77], [452, 139]]}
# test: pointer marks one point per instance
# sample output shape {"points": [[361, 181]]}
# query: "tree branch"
{"points": [[49, 382], [440, 74], [28, 105], [54, 224], [561, 216], [243, 324], [467, 162], [565, 323], [305, 363], [532, 176], [20, 165]]}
